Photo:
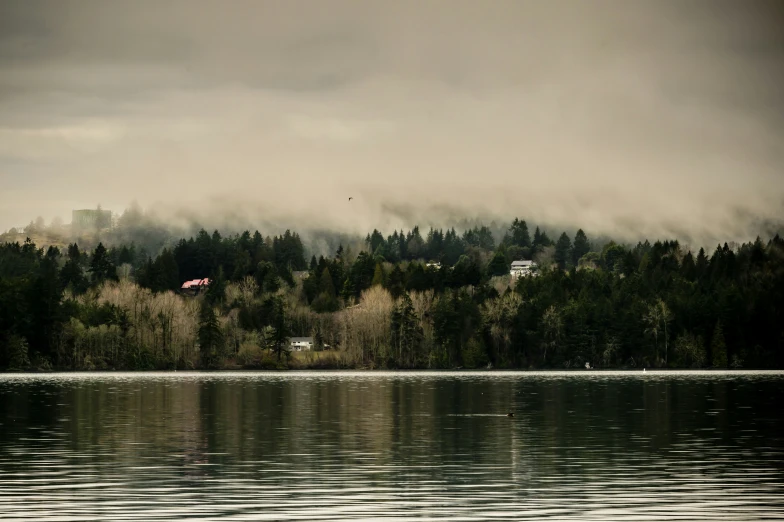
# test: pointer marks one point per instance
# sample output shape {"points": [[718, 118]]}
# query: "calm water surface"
{"points": [[392, 446]]}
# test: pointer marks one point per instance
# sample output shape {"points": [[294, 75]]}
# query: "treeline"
{"points": [[442, 299]]}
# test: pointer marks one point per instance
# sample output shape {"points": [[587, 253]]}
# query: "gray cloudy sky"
{"points": [[632, 117]]}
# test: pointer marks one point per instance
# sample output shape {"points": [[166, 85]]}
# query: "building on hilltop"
{"points": [[91, 220], [523, 268]]}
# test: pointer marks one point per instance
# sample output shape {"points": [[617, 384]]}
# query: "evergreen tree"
{"points": [[326, 285], [465, 273], [396, 282], [518, 234], [280, 325], [718, 347], [18, 353], [378, 276], [72, 276], [166, 272], [267, 277], [327, 300], [688, 268], [701, 264], [216, 291], [44, 304], [563, 251], [101, 266], [541, 240], [406, 334], [498, 265], [125, 256], [347, 292], [210, 336], [580, 247]]}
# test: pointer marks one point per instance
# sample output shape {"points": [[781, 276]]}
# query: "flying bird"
{"points": [[350, 199]]}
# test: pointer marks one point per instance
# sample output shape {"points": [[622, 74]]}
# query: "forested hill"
{"points": [[439, 299]]}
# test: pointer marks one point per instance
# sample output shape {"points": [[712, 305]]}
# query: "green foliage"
{"points": [[656, 319], [625, 305], [17, 350], [72, 274], [718, 347], [396, 282], [518, 235], [210, 336], [580, 247], [552, 331], [216, 291], [378, 275], [540, 240], [690, 351], [280, 328], [498, 265], [563, 251], [327, 300], [406, 333], [101, 266], [474, 354]]}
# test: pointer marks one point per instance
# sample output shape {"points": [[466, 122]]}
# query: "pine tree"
{"points": [[563, 251], [45, 306], [541, 239], [347, 292], [280, 325], [580, 247], [406, 334], [326, 301], [688, 268], [498, 265], [210, 336], [72, 276], [216, 291], [326, 285], [718, 347], [378, 275], [519, 234], [167, 273], [17, 350], [101, 266], [702, 264], [396, 282]]}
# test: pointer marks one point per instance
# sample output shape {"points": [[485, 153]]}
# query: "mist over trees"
{"points": [[410, 299]]}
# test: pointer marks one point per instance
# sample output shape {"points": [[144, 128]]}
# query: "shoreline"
{"points": [[685, 371]]}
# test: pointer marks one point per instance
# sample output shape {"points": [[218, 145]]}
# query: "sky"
{"points": [[659, 118]]}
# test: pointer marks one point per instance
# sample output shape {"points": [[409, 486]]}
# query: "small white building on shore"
{"points": [[300, 344]]}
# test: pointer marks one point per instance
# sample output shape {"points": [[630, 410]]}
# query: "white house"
{"points": [[301, 344], [522, 268]]}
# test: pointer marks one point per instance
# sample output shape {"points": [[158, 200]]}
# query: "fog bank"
{"points": [[660, 119]]}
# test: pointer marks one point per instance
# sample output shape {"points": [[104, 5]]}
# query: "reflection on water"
{"points": [[397, 446]]}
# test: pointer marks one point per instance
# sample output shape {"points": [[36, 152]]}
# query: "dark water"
{"points": [[339, 446]]}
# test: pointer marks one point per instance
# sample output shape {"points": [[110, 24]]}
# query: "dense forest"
{"points": [[439, 299]]}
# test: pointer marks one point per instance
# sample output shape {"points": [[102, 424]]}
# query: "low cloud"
{"points": [[642, 120]]}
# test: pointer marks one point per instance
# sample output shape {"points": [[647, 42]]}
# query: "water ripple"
{"points": [[392, 446]]}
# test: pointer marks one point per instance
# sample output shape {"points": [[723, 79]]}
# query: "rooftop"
{"points": [[195, 283]]}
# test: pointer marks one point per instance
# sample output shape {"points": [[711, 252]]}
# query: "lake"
{"points": [[587, 445]]}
